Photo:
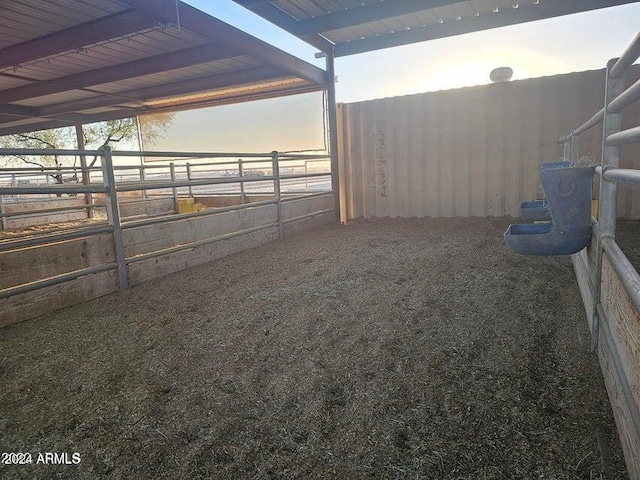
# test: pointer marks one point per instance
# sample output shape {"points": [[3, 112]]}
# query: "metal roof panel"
{"points": [[56, 72], [30, 19], [312, 19], [57, 98]]}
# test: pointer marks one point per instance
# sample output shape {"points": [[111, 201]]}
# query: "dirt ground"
{"points": [[403, 349]]}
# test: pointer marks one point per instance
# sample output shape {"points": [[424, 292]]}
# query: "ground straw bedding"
{"points": [[387, 349]]}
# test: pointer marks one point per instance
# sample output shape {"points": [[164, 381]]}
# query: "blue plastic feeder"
{"points": [[568, 192], [538, 210]]}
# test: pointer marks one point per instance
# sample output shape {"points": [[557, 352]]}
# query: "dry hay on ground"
{"points": [[386, 349]]}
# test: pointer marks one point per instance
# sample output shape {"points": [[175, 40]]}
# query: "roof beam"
{"points": [[526, 13], [366, 14], [8, 118], [229, 98], [62, 121], [19, 111], [233, 98], [110, 115], [34, 127], [198, 22], [251, 4], [285, 21], [42, 123], [203, 84], [16, 113], [113, 26], [123, 71], [47, 124]]}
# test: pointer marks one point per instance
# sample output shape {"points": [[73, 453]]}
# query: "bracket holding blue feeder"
{"points": [[535, 211], [538, 210], [568, 192]]}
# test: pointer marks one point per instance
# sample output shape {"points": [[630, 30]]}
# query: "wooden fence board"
{"points": [[628, 436], [30, 264], [44, 300], [304, 206], [151, 238], [14, 223], [624, 323], [150, 206], [174, 262]]}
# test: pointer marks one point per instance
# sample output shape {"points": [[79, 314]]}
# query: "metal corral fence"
{"points": [[287, 193], [169, 169], [609, 284]]}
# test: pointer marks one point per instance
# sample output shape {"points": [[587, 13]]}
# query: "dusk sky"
{"points": [[572, 43]]}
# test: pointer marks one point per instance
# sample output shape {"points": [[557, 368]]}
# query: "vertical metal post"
{"points": [[141, 148], [86, 177], [565, 149], [142, 179], [276, 190], [14, 183], [607, 207], [48, 177], [141, 175], [113, 214], [575, 147], [306, 172], [189, 178], [4, 219], [243, 198], [332, 114], [172, 167]]}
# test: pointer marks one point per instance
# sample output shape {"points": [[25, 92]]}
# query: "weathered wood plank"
{"points": [[14, 223], [175, 262], [304, 206], [580, 262], [151, 206], [584, 265], [26, 207], [30, 264], [624, 323], [592, 258], [309, 223], [41, 205], [628, 436], [230, 200], [157, 237], [44, 300]]}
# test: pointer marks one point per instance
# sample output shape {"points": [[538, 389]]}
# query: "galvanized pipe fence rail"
{"points": [[105, 184], [616, 99], [167, 169]]}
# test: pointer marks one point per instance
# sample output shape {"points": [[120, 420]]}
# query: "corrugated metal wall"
{"points": [[470, 151]]}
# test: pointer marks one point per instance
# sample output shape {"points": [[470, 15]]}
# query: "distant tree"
{"points": [[154, 126], [45, 139], [96, 135]]}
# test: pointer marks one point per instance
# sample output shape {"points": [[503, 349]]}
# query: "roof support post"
{"points": [[113, 214], [3, 219], [330, 86], [86, 179]]}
